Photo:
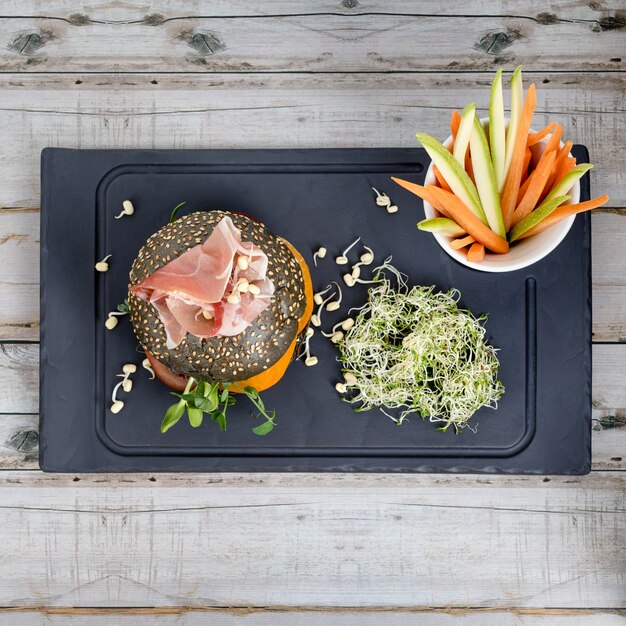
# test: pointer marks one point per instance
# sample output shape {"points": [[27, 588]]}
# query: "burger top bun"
{"points": [[221, 359]]}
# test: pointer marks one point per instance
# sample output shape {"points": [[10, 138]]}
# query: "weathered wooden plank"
{"points": [[341, 40], [19, 279], [19, 378], [609, 276], [19, 286], [225, 111], [19, 441], [19, 394], [136, 11], [241, 540], [314, 617]]}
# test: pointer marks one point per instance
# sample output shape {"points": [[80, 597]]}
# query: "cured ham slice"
{"points": [[191, 293]]}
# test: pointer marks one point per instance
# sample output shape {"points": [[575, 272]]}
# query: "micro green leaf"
{"points": [[264, 428], [123, 308], [175, 211], [268, 425], [220, 418], [172, 415], [195, 416]]}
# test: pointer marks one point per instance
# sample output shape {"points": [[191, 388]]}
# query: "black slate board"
{"points": [[539, 317]]}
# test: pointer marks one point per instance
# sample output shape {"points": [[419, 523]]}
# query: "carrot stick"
{"points": [[567, 165], [512, 183], [476, 253], [440, 179], [468, 221], [565, 211], [536, 183], [539, 135], [462, 242], [555, 139], [561, 155], [423, 193], [455, 122], [527, 156]]}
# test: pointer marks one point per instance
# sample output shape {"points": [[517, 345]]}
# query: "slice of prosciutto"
{"points": [[191, 293]]}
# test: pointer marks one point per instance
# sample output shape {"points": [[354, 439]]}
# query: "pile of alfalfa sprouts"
{"points": [[415, 351]]}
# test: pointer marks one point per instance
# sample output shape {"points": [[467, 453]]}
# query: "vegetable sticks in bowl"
{"points": [[500, 183]]}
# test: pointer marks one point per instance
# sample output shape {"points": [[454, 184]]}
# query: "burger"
{"points": [[216, 297]]}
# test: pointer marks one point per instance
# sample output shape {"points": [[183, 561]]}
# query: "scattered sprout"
{"points": [[335, 304], [111, 321], [320, 253], [382, 199], [127, 209], [316, 318], [342, 259], [318, 298], [367, 257], [103, 266], [126, 384]]}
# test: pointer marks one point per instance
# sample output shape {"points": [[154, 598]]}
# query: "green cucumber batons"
{"points": [[221, 359]]}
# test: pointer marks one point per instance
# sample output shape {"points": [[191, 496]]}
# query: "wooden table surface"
{"points": [[266, 549]]}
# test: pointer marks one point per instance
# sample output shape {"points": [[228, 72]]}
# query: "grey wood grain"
{"points": [[282, 111], [302, 540], [337, 37], [314, 617]]}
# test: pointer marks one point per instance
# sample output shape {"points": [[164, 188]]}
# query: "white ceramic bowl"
{"points": [[522, 253]]}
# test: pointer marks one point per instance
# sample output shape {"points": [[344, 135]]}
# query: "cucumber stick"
{"points": [[497, 131], [460, 183], [463, 136], [485, 178], [442, 226], [517, 104], [569, 180], [538, 215]]}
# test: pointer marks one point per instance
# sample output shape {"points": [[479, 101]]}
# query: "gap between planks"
{"points": [[457, 611]]}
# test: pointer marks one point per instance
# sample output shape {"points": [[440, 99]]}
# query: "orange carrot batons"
{"points": [[536, 184], [476, 253], [552, 179], [541, 134], [514, 176], [468, 221], [440, 179], [462, 242], [422, 192], [455, 122], [527, 157]]}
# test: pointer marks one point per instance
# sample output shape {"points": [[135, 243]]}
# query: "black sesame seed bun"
{"points": [[223, 359]]}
